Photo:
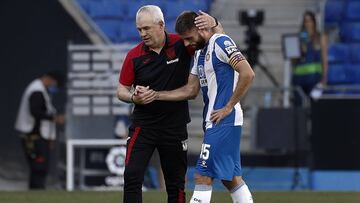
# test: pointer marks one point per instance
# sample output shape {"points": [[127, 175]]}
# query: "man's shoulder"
{"points": [[137, 50], [225, 43], [174, 38], [35, 85], [220, 38]]}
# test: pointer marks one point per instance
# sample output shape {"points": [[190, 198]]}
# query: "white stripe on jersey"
{"points": [[238, 116], [212, 90]]}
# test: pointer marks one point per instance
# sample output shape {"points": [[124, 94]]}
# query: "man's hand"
{"points": [[140, 89], [59, 119], [204, 21], [217, 115], [143, 95]]}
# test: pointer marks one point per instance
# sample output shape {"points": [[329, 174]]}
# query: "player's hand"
{"points": [[140, 89], [144, 95], [59, 119], [217, 115], [204, 21]]}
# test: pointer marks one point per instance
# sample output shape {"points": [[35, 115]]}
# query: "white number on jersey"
{"points": [[205, 153]]}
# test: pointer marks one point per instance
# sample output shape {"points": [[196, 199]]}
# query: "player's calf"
{"points": [[203, 189]]}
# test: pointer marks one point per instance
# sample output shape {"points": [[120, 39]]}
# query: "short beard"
{"points": [[200, 44]]}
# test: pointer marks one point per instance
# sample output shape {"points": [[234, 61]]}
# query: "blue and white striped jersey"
{"points": [[217, 79]]}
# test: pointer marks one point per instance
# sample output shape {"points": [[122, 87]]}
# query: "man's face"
{"points": [[193, 38], [150, 32], [309, 24], [52, 86]]}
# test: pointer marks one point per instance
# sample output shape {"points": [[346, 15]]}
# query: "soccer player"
{"points": [[224, 76], [161, 61]]}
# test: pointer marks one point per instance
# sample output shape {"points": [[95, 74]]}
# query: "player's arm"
{"points": [[124, 93], [324, 58], [246, 76], [186, 92], [37, 104], [124, 90], [205, 21]]}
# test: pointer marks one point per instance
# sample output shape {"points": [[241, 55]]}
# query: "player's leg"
{"points": [[203, 189], [140, 146], [38, 156], [172, 149], [206, 167], [238, 189]]}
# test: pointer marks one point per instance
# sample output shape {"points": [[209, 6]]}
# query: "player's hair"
{"points": [[312, 17], [154, 11], [185, 21], [56, 75]]}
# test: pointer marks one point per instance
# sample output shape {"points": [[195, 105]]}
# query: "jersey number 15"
{"points": [[204, 154]]}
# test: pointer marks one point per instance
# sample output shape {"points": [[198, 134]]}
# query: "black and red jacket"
{"points": [[167, 70]]}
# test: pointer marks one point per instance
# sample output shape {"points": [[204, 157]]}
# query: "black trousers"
{"points": [[37, 152], [172, 147]]}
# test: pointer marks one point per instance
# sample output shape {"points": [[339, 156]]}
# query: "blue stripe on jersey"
{"points": [[204, 89], [225, 81]]}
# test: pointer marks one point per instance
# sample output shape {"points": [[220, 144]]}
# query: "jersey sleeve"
{"points": [[127, 74], [194, 69], [226, 50], [38, 106]]}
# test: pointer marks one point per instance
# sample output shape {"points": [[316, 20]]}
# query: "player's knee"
{"points": [[237, 180], [203, 180]]}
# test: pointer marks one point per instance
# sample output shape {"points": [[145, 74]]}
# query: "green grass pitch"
{"points": [[159, 197]]}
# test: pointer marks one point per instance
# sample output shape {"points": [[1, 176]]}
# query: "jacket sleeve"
{"points": [[38, 106]]}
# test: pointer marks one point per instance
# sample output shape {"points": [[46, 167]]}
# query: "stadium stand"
{"points": [[352, 10], [349, 32], [116, 17], [111, 9], [344, 63], [355, 53], [110, 27], [338, 53], [128, 31], [334, 12], [338, 74]]}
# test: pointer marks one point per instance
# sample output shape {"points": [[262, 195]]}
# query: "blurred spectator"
{"points": [[310, 69], [36, 122]]}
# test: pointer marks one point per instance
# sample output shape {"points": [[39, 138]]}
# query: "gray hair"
{"points": [[154, 11]]}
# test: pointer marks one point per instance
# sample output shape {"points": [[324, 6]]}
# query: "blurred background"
{"points": [[302, 113]]}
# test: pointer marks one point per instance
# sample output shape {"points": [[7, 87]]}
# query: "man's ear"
{"points": [[162, 24]]}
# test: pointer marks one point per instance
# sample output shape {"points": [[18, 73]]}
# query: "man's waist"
{"points": [[162, 120], [155, 124]]}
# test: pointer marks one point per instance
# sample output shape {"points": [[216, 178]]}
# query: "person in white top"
{"points": [[36, 122]]}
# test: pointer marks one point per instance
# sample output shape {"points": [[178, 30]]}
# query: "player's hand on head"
{"points": [[217, 115], [204, 21]]}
